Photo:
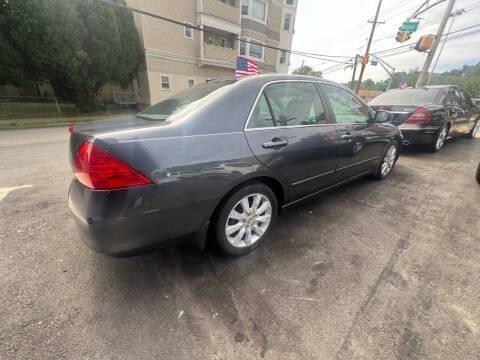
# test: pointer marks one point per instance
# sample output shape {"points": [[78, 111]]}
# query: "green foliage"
{"points": [[467, 77], [306, 70], [77, 46]]}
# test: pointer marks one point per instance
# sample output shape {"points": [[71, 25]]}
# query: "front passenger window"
{"points": [[348, 109]]}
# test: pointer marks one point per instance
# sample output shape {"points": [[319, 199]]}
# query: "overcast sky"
{"points": [[339, 27]]}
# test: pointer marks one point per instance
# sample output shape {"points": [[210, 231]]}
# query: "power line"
{"points": [[323, 57]]}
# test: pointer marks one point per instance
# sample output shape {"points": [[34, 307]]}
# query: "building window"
{"points": [[288, 22], [290, 2], [224, 41], [283, 56], [243, 48], [256, 50], [245, 4], [256, 9], [252, 48], [165, 82], [229, 2], [191, 82], [188, 31]]}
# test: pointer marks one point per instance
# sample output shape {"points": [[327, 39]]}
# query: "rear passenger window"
{"points": [[348, 109], [295, 104], [261, 116]]}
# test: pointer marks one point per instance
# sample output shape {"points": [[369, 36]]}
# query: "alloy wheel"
{"points": [[389, 160], [248, 220], [476, 128], [441, 138]]}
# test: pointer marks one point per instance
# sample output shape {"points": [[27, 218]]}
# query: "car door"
{"points": [[362, 142], [471, 112], [290, 131], [456, 112]]}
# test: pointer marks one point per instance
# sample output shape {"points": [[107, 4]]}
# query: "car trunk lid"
{"points": [[400, 112]]}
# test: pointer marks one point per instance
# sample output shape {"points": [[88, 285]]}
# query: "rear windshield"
{"points": [[183, 101], [406, 97]]}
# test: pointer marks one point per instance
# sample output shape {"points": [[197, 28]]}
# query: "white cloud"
{"points": [[340, 27]]}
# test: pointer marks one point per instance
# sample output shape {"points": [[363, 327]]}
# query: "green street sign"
{"points": [[409, 26]]}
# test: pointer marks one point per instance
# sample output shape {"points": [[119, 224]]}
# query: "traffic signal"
{"points": [[425, 43], [403, 36]]}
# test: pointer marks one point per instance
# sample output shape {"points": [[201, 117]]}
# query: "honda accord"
{"points": [[220, 160]]}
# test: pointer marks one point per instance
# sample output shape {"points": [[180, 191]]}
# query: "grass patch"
{"points": [[23, 110]]}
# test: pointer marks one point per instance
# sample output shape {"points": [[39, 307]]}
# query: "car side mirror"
{"points": [[382, 116]]}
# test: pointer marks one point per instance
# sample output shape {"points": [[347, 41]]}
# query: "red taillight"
{"points": [[419, 117], [100, 170]]}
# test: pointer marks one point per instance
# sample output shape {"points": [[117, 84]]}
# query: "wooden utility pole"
{"points": [[422, 79], [354, 72], [365, 58]]}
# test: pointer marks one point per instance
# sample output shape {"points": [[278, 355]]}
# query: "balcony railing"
{"points": [[220, 54]]}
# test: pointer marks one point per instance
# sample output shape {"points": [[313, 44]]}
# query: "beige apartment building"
{"points": [[179, 57]]}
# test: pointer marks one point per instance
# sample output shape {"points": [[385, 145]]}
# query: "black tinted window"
{"points": [[348, 109], [406, 97], [295, 103], [181, 101]]}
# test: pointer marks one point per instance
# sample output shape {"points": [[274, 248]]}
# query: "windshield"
{"points": [[406, 97], [181, 101]]}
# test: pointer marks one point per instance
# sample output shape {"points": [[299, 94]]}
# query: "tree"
{"points": [[306, 70], [77, 46]]}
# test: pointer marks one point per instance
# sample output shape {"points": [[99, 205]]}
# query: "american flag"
{"points": [[403, 84], [245, 67]]}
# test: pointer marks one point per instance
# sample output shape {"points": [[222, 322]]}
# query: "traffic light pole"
{"points": [[364, 63], [422, 79]]}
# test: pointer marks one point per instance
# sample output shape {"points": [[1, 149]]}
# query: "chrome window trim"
{"points": [[312, 178], [333, 171], [357, 163], [257, 99]]}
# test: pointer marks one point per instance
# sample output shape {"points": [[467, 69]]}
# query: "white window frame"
{"points": [[185, 28], [250, 16], [169, 82], [188, 83], [290, 24], [247, 49], [280, 52]]}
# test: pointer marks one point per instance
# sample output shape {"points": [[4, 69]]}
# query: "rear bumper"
{"points": [[128, 222], [417, 134]]}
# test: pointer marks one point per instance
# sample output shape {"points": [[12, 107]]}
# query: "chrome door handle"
{"points": [[346, 137], [274, 144]]}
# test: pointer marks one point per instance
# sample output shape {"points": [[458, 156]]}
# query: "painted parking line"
{"points": [[7, 190]]}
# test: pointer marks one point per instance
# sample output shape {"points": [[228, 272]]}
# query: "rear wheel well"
{"points": [[272, 183]]}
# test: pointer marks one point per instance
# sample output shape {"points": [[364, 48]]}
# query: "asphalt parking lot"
{"points": [[374, 270]]}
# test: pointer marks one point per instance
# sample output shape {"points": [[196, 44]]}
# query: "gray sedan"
{"points": [[218, 161]]}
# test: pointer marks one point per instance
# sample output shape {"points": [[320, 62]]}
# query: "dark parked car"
{"points": [[430, 114], [222, 158]]}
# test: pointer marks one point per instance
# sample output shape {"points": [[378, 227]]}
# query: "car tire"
{"points": [[478, 174], [440, 139], [475, 130], [239, 226], [389, 159]]}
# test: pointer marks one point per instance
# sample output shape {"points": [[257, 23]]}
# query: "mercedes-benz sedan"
{"points": [[218, 161]]}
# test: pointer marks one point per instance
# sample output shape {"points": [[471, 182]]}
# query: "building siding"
{"points": [[169, 52]]}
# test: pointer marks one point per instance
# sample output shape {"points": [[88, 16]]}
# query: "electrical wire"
{"points": [[323, 57]]}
